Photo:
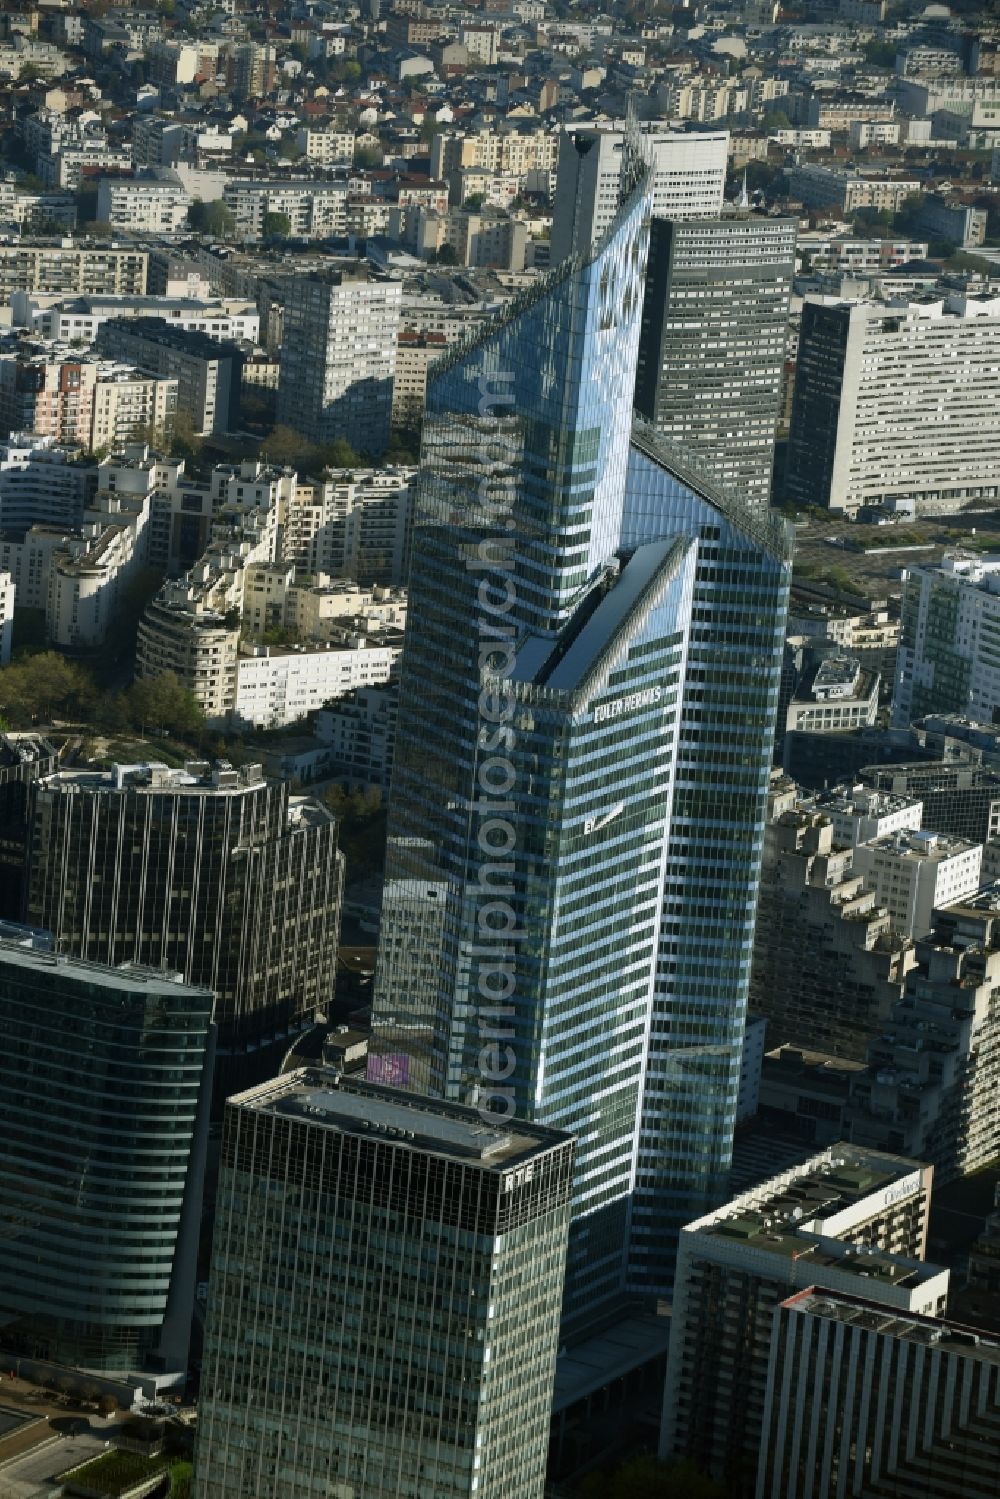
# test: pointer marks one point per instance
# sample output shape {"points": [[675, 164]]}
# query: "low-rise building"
{"points": [[915, 872], [837, 694]]}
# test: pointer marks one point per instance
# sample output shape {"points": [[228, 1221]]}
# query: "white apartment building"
{"points": [[689, 179], [276, 687], [147, 204], [896, 401], [80, 319], [315, 210], [360, 729], [89, 572], [494, 151], [328, 148], [353, 523], [947, 660], [913, 873], [39, 484]]}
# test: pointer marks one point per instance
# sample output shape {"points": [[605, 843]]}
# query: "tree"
{"points": [[361, 834], [474, 202], [447, 255], [163, 703], [367, 157], [39, 686], [776, 119], [215, 219], [277, 226], [185, 441], [107, 1406]]}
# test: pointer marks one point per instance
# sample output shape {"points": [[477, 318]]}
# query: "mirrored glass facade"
{"points": [[559, 578], [105, 1082]]}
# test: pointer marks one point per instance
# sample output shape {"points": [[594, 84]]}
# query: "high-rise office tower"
{"points": [[338, 357], [587, 703], [688, 179], [383, 1310], [105, 1083], [864, 1399], [712, 351], [210, 872], [848, 1219]]}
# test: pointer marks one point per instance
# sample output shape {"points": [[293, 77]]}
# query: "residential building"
{"points": [[399, 1260], [827, 964], [331, 148], [927, 374], [352, 523], [712, 350], [889, 1403], [847, 1220], [415, 353], [104, 1093], [210, 872], [315, 210], [958, 222], [931, 1079], [89, 270], [89, 572], [950, 612], [154, 203], [40, 484], [73, 319], [859, 814], [689, 179], [836, 187], [360, 728], [338, 357], [277, 686], [634, 1048], [913, 873], [207, 370]]}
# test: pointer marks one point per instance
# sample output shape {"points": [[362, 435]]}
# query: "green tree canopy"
{"points": [[162, 703], [277, 226], [212, 218], [645, 1477], [40, 687]]}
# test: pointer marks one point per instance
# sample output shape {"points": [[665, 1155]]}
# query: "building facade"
{"points": [[846, 1219], [866, 1399], [689, 179], [104, 1092], [209, 872], [338, 358], [950, 613], [921, 374], [550, 661], [712, 351], [391, 1267]]}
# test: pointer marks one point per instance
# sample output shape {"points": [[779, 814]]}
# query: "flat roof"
{"points": [[908, 1327], [325, 1099]]}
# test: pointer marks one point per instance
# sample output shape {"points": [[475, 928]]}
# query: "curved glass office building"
{"points": [[105, 1081], [575, 600]]}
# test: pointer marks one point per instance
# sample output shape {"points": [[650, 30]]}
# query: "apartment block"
{"points": [[89, 270], [931, 1080], [150, 204], [834, 187], [827, 965], [863, 1398], [688, 180], [896, 402], [847, 1220], [338, 357], [399, 1259], [945, 662], [278, 686], [914, 872], [207, 370]]}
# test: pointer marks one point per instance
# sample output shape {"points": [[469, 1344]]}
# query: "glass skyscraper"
{"points": [[105, 1086], [383, 1311], [594, 633]]}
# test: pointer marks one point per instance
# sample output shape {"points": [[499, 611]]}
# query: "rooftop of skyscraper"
{"points": [[196, 775], [933, 1331], [350, 1105], [33, 950]]}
